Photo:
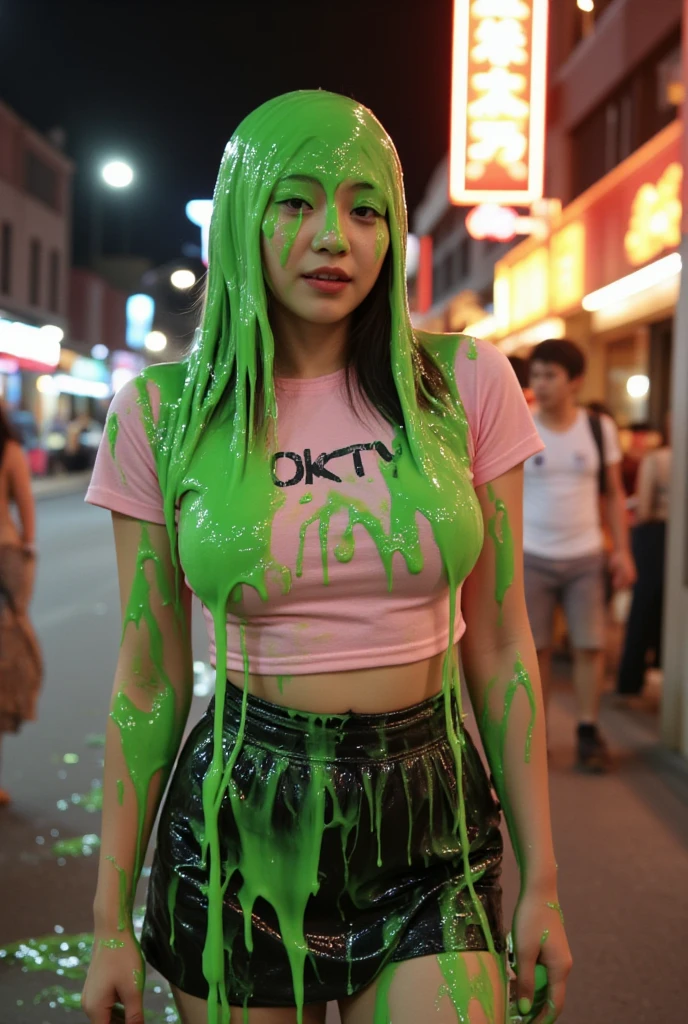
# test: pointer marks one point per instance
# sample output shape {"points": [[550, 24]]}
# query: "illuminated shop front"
{"points": [[26, 351], [608, 278]]}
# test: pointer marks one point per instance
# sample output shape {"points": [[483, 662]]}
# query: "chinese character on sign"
{"points": [[655, 223], [498, 88], [501, 42]]}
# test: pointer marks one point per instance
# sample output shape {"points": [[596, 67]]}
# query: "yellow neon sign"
{"points": [[567, 266], [655, 223], [498, 101]]}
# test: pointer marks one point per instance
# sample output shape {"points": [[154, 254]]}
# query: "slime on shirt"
{"points": [[212, 442]]}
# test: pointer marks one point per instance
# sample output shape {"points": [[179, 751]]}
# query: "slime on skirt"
{"points": [[339, 847]]}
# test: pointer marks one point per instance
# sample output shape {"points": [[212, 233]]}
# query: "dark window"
{"points": [[54, 282], [34, 272], [6, 259], [41, 180], [644, 104]]}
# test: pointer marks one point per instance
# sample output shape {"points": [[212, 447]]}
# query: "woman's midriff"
{"points": [[364, 691]]}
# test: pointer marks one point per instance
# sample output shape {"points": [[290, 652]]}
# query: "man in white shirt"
{"points": [[562, 532]]}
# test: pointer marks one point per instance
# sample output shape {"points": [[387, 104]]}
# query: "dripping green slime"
{"points": [[212, 443]]}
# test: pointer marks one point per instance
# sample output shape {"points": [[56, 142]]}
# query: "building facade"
{"points": [[35, 218], [613, 167], [605, 267]]}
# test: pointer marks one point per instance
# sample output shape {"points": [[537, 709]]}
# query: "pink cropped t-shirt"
{"points": [[355, 621]]}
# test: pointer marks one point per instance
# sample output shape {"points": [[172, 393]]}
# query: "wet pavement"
{"points": [[622, 841]]}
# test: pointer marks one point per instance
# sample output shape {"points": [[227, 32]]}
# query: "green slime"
{"points": [[493, 731], [462, 989], [80, 846], [112, 432], [68, 957], [212, 442], [149, 738], [500, 531]]}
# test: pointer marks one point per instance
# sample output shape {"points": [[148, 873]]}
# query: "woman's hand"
{"points": [[116, 975], [539, 937]]}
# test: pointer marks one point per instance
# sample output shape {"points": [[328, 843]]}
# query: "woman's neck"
{"points": [[304, 349]]}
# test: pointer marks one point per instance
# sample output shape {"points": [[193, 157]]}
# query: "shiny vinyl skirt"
{"points": [[340, 851]]}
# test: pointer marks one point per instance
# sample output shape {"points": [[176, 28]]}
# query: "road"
{"points": [[622, 841]]}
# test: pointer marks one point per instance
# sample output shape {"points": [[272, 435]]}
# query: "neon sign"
{"points": [[140, 313], [489, 220], [40, 345], [199, 212], [655, 217], [499, 81]]}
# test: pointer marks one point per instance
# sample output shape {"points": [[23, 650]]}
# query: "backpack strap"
{"points": [[595, 422]]}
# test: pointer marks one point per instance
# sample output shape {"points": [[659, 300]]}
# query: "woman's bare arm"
{"points": [[150, 704], [22, 495], [501, 670]]}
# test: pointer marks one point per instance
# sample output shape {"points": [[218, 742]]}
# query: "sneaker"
{"points": [[593, 755]]}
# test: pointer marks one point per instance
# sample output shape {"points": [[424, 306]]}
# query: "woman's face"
{"points": [[323, 243]]}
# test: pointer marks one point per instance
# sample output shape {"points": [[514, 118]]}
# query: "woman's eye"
{"points": [[365, 213], [294, 205]]}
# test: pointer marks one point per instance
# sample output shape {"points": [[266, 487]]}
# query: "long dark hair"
{"points": [[7, 431], [368, 363]]}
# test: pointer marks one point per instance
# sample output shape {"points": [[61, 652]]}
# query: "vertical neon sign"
{"points": [[499, 82]]}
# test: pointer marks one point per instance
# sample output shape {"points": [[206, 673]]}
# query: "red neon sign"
{"points": [[499, 80], [497, 223]]}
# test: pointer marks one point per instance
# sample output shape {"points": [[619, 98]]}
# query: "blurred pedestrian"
{"points": [[20, 659], [562, 536], [521, 368], [75, 454], [644, 626]]}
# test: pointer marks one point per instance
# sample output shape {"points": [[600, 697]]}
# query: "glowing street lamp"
{"points": [[183, 279], [117, 174], [586, 5], [638, 385], [156, 341]]}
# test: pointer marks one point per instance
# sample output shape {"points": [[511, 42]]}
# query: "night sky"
{"points": [[164, 84]]}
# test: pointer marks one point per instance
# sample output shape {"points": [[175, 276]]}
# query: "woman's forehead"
{"points": [[337, 162]]}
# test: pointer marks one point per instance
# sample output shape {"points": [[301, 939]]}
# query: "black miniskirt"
{"points": [[388, 866]]}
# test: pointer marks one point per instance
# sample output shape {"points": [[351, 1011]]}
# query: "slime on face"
{"points": [[209, 420]]}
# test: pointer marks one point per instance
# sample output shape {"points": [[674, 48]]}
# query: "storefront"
{"points": [[25, 352], [608, 278]]}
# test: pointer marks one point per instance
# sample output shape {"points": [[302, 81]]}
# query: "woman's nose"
{"points": [[331, 238]]}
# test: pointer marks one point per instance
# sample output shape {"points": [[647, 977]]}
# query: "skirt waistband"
{"points": [[324, 737]]}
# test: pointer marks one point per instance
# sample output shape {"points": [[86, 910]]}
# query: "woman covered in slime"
{"points": [[322, 477]]}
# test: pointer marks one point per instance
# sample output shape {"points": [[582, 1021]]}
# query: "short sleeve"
{"points": [[612, 448], [124, 477], [503, 434]]}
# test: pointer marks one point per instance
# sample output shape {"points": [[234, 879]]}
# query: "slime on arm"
{"points": [[493, 731], [500, 531], [149, 738], [124, 901]]}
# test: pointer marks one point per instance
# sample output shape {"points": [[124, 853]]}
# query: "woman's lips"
{"points": [[330, 286]]}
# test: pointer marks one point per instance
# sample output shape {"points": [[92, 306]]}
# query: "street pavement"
{"points": [[622, 840]]}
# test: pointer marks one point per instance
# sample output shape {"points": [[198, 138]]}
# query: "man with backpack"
{"points": [[565, 488]]}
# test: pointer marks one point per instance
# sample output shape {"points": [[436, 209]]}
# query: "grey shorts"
{"points": [[577, 584]]}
